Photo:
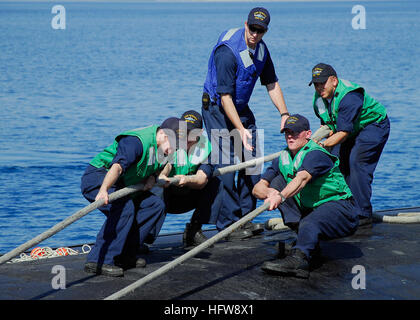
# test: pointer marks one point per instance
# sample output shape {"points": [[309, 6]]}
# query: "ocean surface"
{"points": [[66, 93]]}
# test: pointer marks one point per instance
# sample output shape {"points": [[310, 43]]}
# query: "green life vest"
{"points": [[146, 166], [188, 164], [328, 187], [372, 110]]}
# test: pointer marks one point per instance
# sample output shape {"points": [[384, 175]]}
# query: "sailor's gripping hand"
{"points": [[150, 182], [274, 200], [102, 194], [183, 180]]}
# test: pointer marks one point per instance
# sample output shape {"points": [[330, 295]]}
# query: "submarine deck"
{"points": [[388, 254]]}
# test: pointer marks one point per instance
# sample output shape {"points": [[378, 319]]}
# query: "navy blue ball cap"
{"points": [[193, 119], [321, 72], [259, 16], [296, 123], [174, 127]]}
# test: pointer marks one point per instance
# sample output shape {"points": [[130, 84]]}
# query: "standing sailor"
{"points": [[360, 128], [315, 200], [135, 156], [237, 60]]}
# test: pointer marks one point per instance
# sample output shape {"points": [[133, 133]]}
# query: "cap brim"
{"points": [[173, 138], [192, 126], [319, 80], [261, 24], [284, 128]]}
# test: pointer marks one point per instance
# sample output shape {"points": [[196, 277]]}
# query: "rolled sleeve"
{"points": [[268, 75], [129, 151], [207, 169], [272, 171], [348, 111], [316, 163]]}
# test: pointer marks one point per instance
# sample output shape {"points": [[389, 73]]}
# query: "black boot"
{"points": [[284, 248], [105, 269], [365, 222], [193, 235], [239, 234], [295, 264], [255, 228], [143, 249], [130, 262]]}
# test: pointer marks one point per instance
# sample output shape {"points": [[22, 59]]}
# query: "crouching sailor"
{"points": [[197, 189], [135, 156], [315, 200]]}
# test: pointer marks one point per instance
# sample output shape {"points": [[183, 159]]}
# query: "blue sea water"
{"points": [[65, 94]]}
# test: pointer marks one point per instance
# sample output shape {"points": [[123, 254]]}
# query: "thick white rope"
{"points": [[321, 133], [275, 224], [402, 217], [246, 164]]}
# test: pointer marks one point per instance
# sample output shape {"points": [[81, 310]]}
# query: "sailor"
{"points": [[360, 128], [236, 61], [306, 185], [197, 190], [135, 156]]}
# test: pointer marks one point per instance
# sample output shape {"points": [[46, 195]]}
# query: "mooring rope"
{"points": [[401, 217], [275, 224], [321, 133], [245, 164]]}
